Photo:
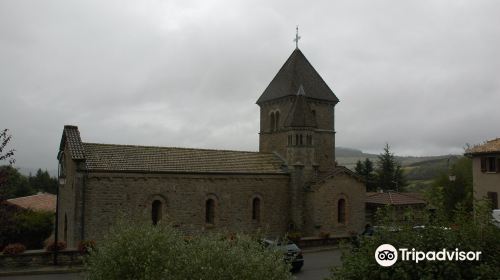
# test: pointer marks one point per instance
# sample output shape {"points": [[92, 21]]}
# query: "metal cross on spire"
{"points": [[297, 37]]}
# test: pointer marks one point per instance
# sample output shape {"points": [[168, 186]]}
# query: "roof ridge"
{"points": [[178, 148]]}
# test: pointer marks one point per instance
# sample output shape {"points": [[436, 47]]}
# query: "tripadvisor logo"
{"points": [[387, 255]]}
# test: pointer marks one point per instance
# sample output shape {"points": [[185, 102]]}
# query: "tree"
{"points": [[466, 232], [27, 227], [42, 182], [389, 173], [453, 189], [365, 170], [15, 184], [135, 250], [5, 154]]}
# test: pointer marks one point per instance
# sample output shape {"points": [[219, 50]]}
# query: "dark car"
{"points": [[291, 252]]}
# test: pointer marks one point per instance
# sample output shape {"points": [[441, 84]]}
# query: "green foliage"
{"points": [[24, 226], [15, 184], [42, 182], [366, 171], [467, 232], [449, 194], [389, 173], [142, 251], [32, 228]]}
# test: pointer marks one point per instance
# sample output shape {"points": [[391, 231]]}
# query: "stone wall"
{"points": [[69, 204], [39, 258], [323, 138], [322, 206], [183, 197]]}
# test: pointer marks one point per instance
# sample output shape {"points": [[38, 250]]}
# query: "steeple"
{"points": [[296, 72], [297, 116]]}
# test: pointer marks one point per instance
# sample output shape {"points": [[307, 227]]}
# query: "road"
{"points": [[316, 266]]}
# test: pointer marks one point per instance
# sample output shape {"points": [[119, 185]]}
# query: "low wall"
{"points": [[38, 258]]}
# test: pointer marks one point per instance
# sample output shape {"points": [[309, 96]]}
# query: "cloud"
{"points": [[420, 75]]}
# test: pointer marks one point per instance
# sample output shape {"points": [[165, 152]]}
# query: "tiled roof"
{"points": [[71, 137], [394, 198], [37, 202], [300, 115], [491, 146], [323, 176], [127, 158], [295, 72]]}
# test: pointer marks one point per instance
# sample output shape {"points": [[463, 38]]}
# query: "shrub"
{"points": [[61, 245], [27, 227], [473, 232], [143, 251], [14, 249], [85, 246]]}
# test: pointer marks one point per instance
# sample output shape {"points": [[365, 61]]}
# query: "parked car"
{"points": [[291, 252]]}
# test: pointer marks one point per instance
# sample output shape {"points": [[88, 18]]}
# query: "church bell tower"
{"points": [[297, 116], [297, 122]]}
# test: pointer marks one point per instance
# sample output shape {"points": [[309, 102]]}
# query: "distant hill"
{"points": [[420, 171], [349, 156]]}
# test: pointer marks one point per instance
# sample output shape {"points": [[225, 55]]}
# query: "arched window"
{"points": [[256, 209], [156, 209], [296, 139], [209, 211], [277, 121], [272, 124], [341, 211], [301, 142]]}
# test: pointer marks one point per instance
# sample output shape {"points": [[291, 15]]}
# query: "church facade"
{"points": [[292, 184]]}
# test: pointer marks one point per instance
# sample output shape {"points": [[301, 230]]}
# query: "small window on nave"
{"points": [[156, 209], [210, 211], [256, 209], [341, 211]]}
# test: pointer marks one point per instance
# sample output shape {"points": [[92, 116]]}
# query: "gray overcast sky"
{"points": [[421, 75]]}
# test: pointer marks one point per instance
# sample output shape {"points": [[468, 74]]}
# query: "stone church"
{"points": [[291, 184]]}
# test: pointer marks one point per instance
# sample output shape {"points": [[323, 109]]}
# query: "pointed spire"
{"points": [[301, 114], [297, 71]]}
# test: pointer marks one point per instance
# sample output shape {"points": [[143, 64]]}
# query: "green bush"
{"points": [[143, 251], [27, 227], [467, 232]]}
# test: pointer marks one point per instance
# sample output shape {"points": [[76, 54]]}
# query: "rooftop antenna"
{"points": [[297, 37]]}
